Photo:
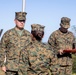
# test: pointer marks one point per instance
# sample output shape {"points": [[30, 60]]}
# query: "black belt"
{"points": [[64, 55], [11, 71]]}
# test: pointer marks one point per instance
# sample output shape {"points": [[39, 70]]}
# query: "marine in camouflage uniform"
{"points": [[13, 41], [39, 55], [60, 40]]}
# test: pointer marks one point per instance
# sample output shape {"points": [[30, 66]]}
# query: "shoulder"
{"points": [[26, 31], [70, 33], [8, 32], [45, 46], [35, 46], [47, 50], [27, 34], [55, 32]]}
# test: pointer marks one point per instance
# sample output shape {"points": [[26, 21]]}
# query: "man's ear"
{"points": [[15, 21]]}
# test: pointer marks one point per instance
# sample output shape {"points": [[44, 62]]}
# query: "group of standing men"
{"points": [[23, 53]]}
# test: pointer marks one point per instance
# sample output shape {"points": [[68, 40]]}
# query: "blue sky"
{"points": [[44, 12]]}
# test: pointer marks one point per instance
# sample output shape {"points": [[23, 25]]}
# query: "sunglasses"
{"points": [[21, 20]]}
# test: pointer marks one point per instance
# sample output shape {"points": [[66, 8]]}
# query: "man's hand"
{"points": [[4, 68], [60, 52]]}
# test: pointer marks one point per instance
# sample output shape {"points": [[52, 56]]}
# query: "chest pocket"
{"points": [[64, 41]]}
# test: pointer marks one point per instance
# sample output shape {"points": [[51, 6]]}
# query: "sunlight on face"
{"points": [[20, 23]]}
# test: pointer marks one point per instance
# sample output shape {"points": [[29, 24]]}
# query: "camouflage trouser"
{"points": [[38, 73], [11, 73], [54, 69], [65, 70]]}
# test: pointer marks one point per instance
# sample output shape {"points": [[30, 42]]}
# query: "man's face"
{"points": [[64, 29], [19, 23], [38, 35]]}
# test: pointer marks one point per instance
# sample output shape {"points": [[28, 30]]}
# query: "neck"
{"points": [[19, 28], [63, 30]]}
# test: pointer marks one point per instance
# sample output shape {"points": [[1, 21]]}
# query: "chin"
{"points": [[20, 27]]}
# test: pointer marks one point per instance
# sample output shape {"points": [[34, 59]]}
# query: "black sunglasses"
{"points": [[21, 20]]}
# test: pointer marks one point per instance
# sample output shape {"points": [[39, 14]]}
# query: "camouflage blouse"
{"points": [[12, 44], [40, 59], [59, 40]]}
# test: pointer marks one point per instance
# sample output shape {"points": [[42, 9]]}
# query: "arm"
{"points": [[4, 44], [52, 41], [53, 64]]}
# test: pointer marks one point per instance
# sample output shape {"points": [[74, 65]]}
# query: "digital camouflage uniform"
{"points": [[1, 72], [59, 40], [12, 44], [40, 57]]}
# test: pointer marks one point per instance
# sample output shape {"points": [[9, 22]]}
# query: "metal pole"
{"points": [[1, 32], [23, 5]]}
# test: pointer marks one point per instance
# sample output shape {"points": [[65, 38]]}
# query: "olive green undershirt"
{"points": [[19, 32]]}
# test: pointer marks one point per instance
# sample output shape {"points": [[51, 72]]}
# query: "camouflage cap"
{"points": [[65, 22], [20, 15], [37, 27]]}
